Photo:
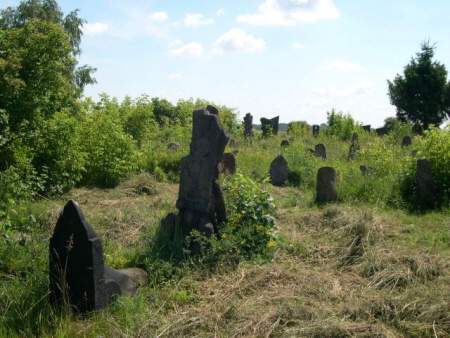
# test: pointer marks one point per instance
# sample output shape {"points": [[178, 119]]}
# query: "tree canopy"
{"points": [[422, 93]]}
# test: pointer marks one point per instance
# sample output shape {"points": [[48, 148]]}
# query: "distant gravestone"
{"points": [[174, 146], [279, 171], [365, 170], [320, 151], [381, 131], [406, 141], [228, 164], [248, 125], [326, 185], [426, 192], [270, 126], [285, 143], [77, 272], [367, 128], [354, 147], [316, 130], [200, 198]]}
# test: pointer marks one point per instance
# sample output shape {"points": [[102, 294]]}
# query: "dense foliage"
{"points": [[422, 94]]}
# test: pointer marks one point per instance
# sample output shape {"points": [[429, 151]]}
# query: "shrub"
{"points": [[340, 125], [111, 153], [298, 129]]}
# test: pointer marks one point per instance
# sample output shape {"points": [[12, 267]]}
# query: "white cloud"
{"points": [[358, 89], [220, 12], [343, 66], [95, 28], [175, 76], [298, 45], [196, 20], [237, 40], [290, 12], [159, 16], [191, 49]]}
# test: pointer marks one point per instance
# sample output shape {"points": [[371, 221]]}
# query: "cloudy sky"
{"points": [[293, 58]]}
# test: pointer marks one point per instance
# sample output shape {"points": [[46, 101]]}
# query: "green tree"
{"points": [[422, 94]]}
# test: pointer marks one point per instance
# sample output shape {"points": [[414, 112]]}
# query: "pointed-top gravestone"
{"points": [[248, 125], [77, 273], [279, 171]]}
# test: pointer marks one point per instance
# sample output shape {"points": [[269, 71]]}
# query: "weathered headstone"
{"points": [[326, 185], [200, 199], [320, 151], [228, 164], [367, 128], [354, 147], [173, 146], [77, 273], [270, 126], [406, 141], [426, 192], [279, 171], [316, 130], [248, 125], [285, 143]]}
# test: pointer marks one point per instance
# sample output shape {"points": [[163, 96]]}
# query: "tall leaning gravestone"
{"points": [[200, 200], [77, 273]]}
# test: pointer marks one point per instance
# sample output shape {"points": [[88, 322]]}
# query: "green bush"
{"points": [[341, 126], [111, 153], [434, 145]]}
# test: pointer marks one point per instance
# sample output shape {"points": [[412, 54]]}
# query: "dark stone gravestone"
{"points": [[174, 146], [367, 128], [426, 192], [320, 151], [285, 143], [381, 131], [200, 200], [316, 130], [270, 127], [248, 125], [228, 164], [406, 141], [279, 171], [326, 185], [365, 170], [354, 147], [77, 273]]}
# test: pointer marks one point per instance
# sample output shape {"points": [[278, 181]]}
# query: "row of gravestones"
{"points": [[78, 275], [427, 196]]}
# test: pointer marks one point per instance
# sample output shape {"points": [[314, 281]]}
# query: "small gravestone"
{"points": [[406, 141], [174, 146], [320, 151], [248, 125], [228, 164], [326, 185], [367, 128], [200, 199], [354, 147], [426, 192], [77, 273], [365, 170], [279, 171], [270, 126], [316, 130], [285, 143]]}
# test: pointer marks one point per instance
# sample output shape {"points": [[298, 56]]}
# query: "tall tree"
{"points": [[422, 94], [38, 66]]}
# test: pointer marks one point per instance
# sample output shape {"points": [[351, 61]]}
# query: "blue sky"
{"points": [[293, 58]]}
